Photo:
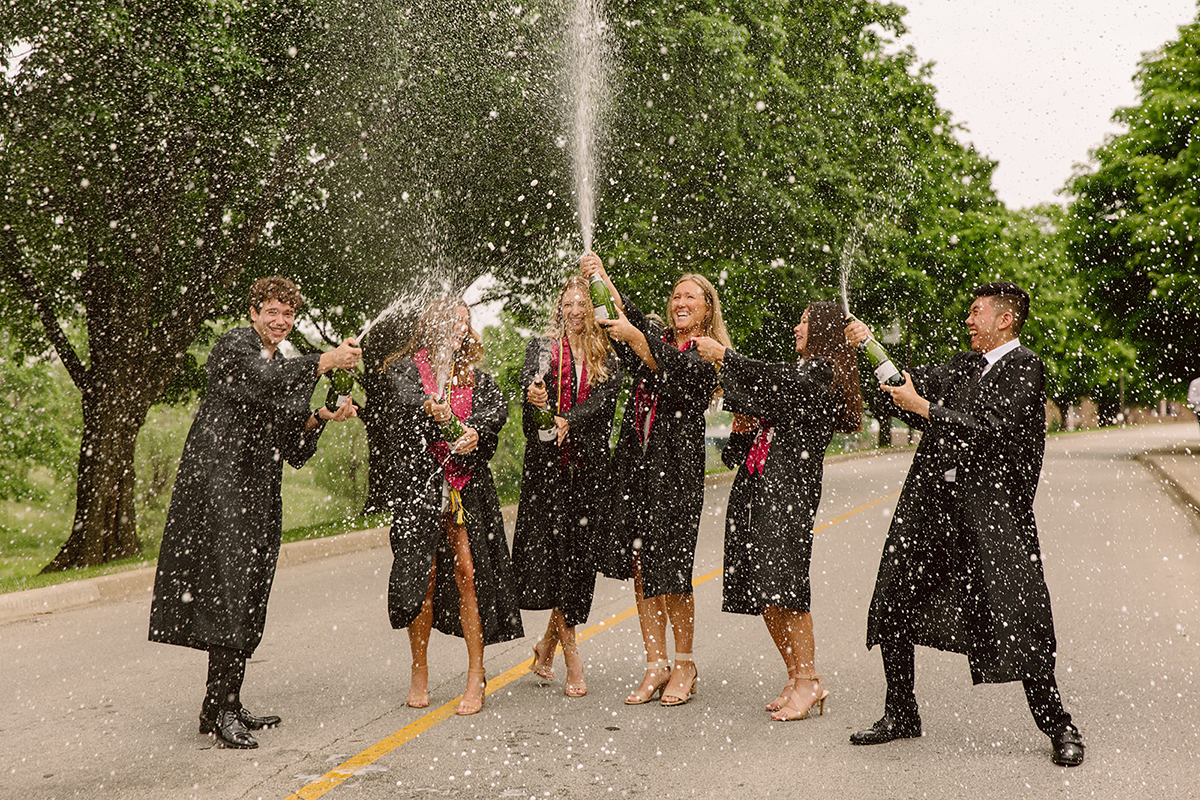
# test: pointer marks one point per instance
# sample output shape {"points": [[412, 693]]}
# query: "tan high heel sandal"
{"points": [[418, 698], [647, 691], [799, 710], [573, 689], [778, 702], [668, 699], [543, 666], [466, 707]]}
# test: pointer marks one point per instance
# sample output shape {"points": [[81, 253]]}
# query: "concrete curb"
{"points": [[1178, 475]]}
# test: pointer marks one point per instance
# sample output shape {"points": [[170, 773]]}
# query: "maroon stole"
{"points": [[565, 376]]}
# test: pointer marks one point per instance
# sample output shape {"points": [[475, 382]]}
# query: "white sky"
{"points": [[1035, 82]]}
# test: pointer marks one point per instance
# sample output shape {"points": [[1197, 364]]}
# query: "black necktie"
{"points": [[975, 372]]}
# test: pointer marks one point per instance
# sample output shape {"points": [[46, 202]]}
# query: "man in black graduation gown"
{"points": [[224, 524], [961, 569]]}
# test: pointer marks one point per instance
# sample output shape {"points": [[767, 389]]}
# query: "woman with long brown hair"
{"points": [[562, 482], [786, 417], [656, 481], [452, 568]]}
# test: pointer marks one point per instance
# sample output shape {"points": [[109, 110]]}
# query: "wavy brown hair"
{"points": [[595, 341], [827, 339], [276, 287], [431, 329]]}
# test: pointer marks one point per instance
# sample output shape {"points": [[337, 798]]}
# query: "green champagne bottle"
{"points": [[602, 301], [885, 371], [544, 417], [452, 428], [341, 384]]}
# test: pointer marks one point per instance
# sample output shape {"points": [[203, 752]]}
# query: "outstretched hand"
{"points": [[857, 332], [345, 356]]}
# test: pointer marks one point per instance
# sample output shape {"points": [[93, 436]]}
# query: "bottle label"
{"points": [[602, 311], [548, 434], [885, 371]]}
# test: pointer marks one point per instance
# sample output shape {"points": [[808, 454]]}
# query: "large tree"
{"points": [[1135, 223], [146, 149]]}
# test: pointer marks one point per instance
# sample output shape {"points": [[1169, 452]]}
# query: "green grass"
{"points": [[322, 499]]}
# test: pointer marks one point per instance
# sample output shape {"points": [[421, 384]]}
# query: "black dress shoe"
{"points": [[257, 723], [1067, 748], [228, 730], [886, 730]]}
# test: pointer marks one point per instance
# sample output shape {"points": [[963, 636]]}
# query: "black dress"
{"points": [[557, 535], [417, 531], [769, 521], [656, 491], [221, 539]]}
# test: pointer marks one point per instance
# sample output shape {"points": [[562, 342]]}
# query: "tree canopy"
{"points": [[1134, 228]]}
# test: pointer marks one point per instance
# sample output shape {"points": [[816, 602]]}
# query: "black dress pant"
{"points": [[1045, 703], [226, 671]]}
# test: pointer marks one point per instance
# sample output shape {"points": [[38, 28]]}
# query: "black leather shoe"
{"points": [[886, 730], [257, 723], [228, 730], [1067, 747]]}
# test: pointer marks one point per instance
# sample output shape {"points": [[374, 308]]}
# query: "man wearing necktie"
{"points": [[961, 569]]}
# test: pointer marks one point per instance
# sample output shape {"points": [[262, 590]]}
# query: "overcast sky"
{"points": [[1035, 82]]}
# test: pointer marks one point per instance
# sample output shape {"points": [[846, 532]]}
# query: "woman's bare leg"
{"points": [[418, 644], [468, 611]]}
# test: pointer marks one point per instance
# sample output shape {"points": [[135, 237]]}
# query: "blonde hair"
{"points": [[714, 324], [429, 331], [595, 341]]}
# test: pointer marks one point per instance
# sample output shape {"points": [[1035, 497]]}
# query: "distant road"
{"points": [[92, 710]]}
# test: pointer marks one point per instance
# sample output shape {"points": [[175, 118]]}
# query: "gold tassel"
{"points": [[456, 507]]}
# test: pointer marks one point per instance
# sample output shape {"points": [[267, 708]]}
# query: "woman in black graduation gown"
{"points": [[452, 569], [787, 414], [562, 483], [656, 481]]}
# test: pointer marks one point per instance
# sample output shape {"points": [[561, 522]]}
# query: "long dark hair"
{"points": [[827, 339]]}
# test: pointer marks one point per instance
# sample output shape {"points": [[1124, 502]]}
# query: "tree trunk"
{"points": [[105, 526]]}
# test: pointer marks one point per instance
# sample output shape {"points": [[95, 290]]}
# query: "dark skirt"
{"points": [[554, 547]]}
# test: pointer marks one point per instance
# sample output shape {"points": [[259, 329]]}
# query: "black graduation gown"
{"points": [[557, 534], [656, 495], [961, 569], [417, 533], [769, 521], [221, 539]]}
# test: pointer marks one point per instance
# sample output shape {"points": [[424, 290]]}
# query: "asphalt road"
{"points": [[91, 709]]}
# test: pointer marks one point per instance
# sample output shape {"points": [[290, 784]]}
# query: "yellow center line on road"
{"points": [[347, 769]]}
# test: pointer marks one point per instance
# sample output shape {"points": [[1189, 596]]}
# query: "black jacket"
{"points": [[557, 533], [656, 494], [221, 539], [961, 569]]}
